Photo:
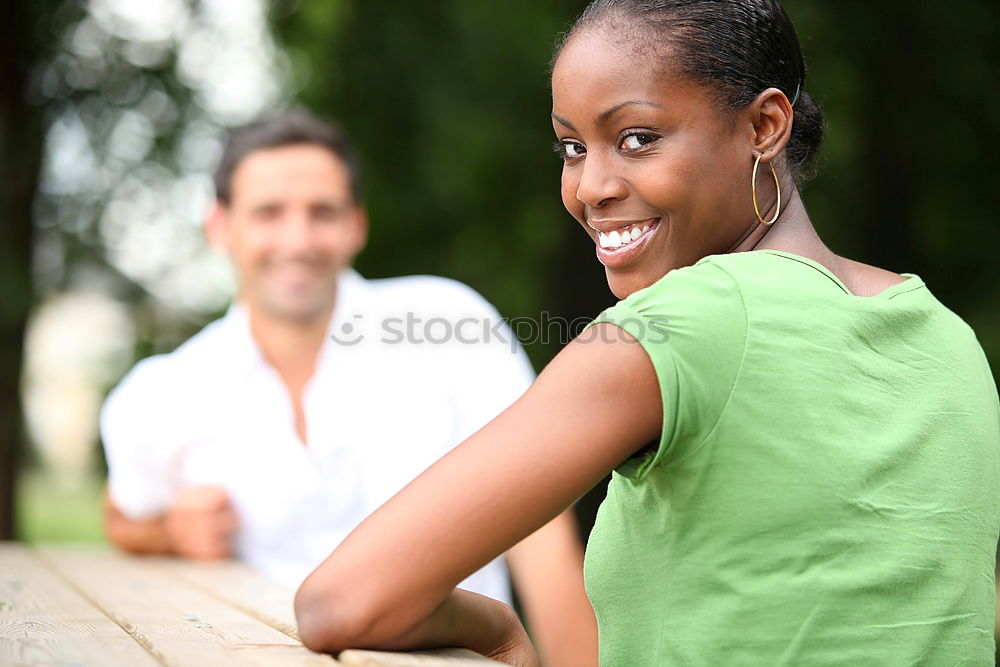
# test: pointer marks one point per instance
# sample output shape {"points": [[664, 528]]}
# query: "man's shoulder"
{"points": [[428, 294], [172, 372]]}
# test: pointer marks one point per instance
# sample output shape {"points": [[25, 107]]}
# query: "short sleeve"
{"points": [[138, 442], [692, 324]]}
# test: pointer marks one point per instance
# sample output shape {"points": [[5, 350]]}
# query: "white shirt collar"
{"points": [[349, 306]]}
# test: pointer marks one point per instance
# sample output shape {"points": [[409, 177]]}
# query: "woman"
{"points": [[806, 448]]}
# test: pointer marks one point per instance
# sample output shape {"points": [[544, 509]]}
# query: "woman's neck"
{"points": [[793, 232]]}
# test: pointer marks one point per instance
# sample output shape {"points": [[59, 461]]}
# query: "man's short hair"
{"points": [[295, 126]]}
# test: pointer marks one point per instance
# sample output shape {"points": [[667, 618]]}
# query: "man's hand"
{"points": [[201, 524]]}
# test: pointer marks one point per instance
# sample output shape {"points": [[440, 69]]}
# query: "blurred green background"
{"points": [[113, 113]]}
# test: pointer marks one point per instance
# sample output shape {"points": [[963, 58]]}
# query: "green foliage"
{"points": [[52, 512]]}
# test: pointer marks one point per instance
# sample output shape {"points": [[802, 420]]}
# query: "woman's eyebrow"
{"points": [[606, 115], [563, 122]]}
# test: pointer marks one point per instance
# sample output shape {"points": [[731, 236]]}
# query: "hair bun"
{"points": [[807, 135]]}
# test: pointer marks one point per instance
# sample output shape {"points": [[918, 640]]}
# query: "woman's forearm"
{"points": [[462, 619], [471, 621]]}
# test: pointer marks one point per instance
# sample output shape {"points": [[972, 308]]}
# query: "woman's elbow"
{"points": [[327, 622]]}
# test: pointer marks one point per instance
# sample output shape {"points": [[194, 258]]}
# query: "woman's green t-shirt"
{"points": [[826, 489]]}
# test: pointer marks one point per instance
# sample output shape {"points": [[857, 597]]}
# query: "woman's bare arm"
{"points": [[597, 403]]}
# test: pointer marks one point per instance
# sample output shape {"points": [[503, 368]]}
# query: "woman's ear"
{"points": [[771, 115], [216, 226]]}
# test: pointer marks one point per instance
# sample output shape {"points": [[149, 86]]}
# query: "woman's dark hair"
{"points": [[296, 126], [737, 47]]}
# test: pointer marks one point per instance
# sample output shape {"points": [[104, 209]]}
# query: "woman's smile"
{"points": [[621, 242]]}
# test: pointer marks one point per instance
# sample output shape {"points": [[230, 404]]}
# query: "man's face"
{"points": [[291, 226]]}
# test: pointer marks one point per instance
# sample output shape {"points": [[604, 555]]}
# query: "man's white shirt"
{"points": [[412, 367]]}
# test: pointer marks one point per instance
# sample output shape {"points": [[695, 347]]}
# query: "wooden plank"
{"points": [[449, 657], [44, 621], [244, 588], [176, 621], [272, 603]]}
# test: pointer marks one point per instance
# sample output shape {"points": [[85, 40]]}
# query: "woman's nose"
{"points": [[599, 183]]}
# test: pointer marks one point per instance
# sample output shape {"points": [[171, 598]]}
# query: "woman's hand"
{"points": [[518, 650], [514, 647]]}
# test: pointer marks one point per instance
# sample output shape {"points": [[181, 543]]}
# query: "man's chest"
{"points": [[366, 438]]}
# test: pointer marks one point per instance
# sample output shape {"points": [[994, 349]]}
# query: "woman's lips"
{"points": [[626, 253]]}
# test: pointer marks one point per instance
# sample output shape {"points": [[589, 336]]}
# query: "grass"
{"points": [[48, 511]]}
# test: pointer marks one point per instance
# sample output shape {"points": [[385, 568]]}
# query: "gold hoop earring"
{"points": [[753, 189]]}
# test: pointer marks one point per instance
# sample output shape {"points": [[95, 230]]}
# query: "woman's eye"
{"points": [[569, 150], [637, 140]]}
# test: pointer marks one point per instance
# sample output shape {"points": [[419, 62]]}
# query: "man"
{"points": [[277, 429]]}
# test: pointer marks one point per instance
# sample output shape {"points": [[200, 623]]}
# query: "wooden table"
{"points": [[92, 606]]}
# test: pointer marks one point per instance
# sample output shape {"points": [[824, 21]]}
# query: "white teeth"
{"points": [[620, 237]]}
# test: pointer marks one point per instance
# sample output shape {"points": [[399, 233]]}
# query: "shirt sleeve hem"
{"points": [[626, 319]]}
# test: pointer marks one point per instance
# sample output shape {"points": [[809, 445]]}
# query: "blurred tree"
{"points": [[113, 117], [136, 100], [20, 155]]}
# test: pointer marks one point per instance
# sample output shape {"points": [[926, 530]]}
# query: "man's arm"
{"points": [[547, 568], [145, 511], [199, 524], [137, 537]]}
